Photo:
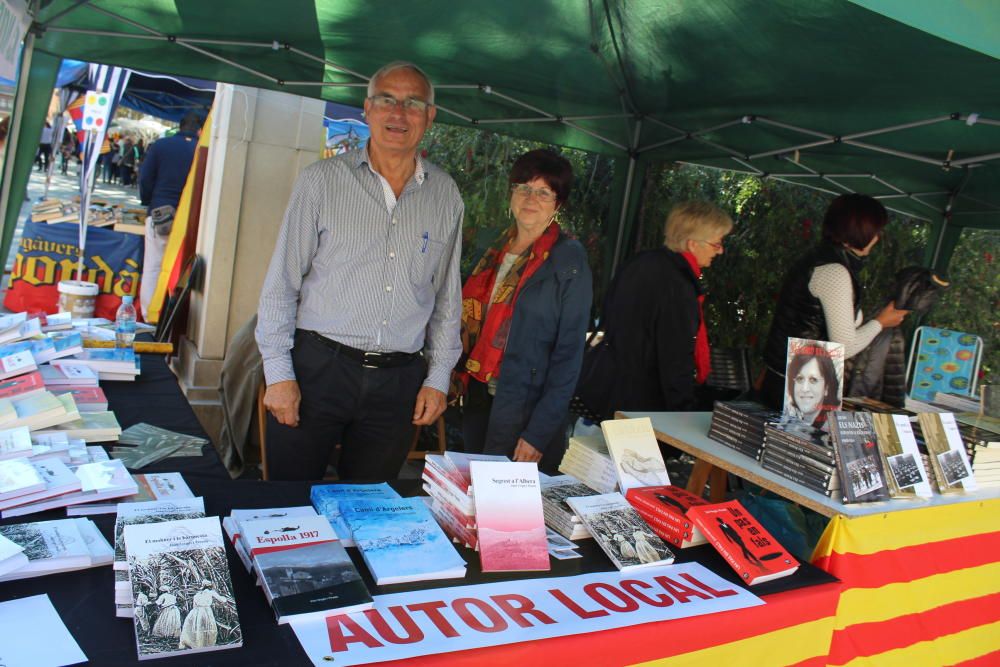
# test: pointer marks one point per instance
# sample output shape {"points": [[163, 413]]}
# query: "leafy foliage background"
{"points": [[775, 223]]}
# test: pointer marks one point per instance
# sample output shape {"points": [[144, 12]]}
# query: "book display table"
{"points": [[920, 578]]}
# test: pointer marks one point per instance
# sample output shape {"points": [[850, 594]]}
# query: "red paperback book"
{"points": [[87, 399], [669, 532], [670, 503], [749, 549], [22, 386]]}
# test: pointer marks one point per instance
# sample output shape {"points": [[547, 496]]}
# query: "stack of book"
{"points": [[89, 426], [947, 453], [981, 435], [109, 364], [559, 516], [401, 541], [131, 514], [231, 524], [17, 327], [739, 425], [38, 411], [859, 463], [329, 500], [98, 481], [47, 547], [447, 479], [152, 486], [620, 532], [157, 554], [665, 509], [587, 458], [801, 453]]}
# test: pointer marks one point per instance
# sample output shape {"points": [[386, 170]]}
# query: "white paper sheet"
{"points": [[33, 635]]}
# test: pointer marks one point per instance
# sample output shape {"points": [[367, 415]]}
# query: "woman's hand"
{"points": [[524, 452], [891, 317]]}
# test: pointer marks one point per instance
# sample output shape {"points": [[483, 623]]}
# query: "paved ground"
{"points": [[66, 187]]}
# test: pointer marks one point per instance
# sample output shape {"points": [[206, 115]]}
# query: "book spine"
{"points": [[795, 476], [741, 446], [455, 497], [664, 530], [664, 513], [743, 428], [799, 459], [799, 444], [798, 469]]}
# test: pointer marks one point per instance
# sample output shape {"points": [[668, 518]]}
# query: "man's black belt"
{"points": [[366, 359]]}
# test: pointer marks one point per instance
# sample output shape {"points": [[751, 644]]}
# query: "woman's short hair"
{"points": [[826, 369], [854, 220], [547, 165], [697, 221]]}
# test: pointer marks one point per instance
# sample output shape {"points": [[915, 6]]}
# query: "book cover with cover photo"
{"points": [[182, 591], [748, 548], [814, 379], [619, 530], [509, 517], [862, 478], [900, 456], [400, 541], [635, 452], [946, 452]]}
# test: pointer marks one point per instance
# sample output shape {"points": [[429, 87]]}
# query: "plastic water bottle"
{"points": [[125, 324]]}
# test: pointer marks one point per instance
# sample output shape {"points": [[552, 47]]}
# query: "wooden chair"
{"points": [[442, 441]]}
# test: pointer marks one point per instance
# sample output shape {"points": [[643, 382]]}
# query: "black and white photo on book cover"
{"points": [[814, 379], [953, 466], [905, 470], [182, 592], [620, 531]]}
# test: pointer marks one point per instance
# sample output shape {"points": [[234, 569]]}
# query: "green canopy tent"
{"points": [[898, 99]]}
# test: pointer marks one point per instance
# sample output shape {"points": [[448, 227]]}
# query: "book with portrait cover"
{"points": [[814, 379], [748, 548], [312, 581], [859, 464], [401, 542], [326, 498], [181, 588], [635, 452], [946, 452], [620, 532], [900, 456], [510, 522]]}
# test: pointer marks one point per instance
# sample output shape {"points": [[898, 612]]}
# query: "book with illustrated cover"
{"points": [[15, 443], [401, 542], [862, 479], [16, 363], [620, 532], [100, 480], [748, 548], [58, 479], [946, 452], [559, 516], [50, 546], [11, 556], [103, 360], [78, 376], [38, 411], [19, 478], [101, 552], [175, 614], [87, 399], [10, 326], [268, 535], [901, 457], [635, 452], [814, 372], [22, 386], [231, 524], [151, 486], [326, 498], [153, 511], [509, 518], [312, 581], [66, 344]]}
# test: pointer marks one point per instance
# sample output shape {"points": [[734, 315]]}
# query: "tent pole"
{"points": [[627, 198], [16, 115]]}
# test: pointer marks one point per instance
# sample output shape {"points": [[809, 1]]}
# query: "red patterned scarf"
{"points": [[483, 341], [702, 352]]}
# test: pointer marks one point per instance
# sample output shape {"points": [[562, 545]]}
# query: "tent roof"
{"points": [[806, 92]]}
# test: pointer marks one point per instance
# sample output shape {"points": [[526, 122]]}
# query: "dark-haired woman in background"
{"points": [[524, 319], [821, 296]]}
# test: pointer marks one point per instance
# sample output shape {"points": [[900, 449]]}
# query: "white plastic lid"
{"points": [[78, 287]]}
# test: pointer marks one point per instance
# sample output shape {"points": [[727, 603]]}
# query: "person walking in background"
{"points": [[524, 323], [104, 160], [128, 161], [161, 180], [45, 148]]}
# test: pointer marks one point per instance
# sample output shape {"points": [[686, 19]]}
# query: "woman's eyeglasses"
{"points": [[541, 194]]}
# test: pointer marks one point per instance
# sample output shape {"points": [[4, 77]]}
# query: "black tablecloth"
{"points": [[85, 599]]}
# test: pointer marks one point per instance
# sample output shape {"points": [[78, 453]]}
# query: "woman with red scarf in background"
{"points": [[655, 346], [524, 320]]}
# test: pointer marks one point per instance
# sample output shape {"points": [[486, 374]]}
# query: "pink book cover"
{"points": [[509, 518], [86, 398], [22, 385]]}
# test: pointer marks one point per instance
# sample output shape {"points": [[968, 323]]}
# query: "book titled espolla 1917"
{"points": [[509, 517], [748, 548]]}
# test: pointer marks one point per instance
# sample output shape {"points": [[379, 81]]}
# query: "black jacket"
{"points": [[650, 321]]}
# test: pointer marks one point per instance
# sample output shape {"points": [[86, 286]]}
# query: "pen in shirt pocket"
{"points": [[425, 237]]}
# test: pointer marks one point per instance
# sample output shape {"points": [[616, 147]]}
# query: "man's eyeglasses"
{"points": [[387, 102], [541, 194], [717, 246]]}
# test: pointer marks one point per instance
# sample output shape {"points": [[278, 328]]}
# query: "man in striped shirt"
{"points": [[358, 320]]}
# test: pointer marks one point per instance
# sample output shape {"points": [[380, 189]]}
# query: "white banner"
{"points": [[14, 23], [440, 620]]}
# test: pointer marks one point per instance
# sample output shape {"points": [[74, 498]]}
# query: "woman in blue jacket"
{"points": [[525, 310]]}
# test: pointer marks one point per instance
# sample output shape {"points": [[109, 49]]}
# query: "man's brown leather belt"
{"points": [[366, 359]]}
